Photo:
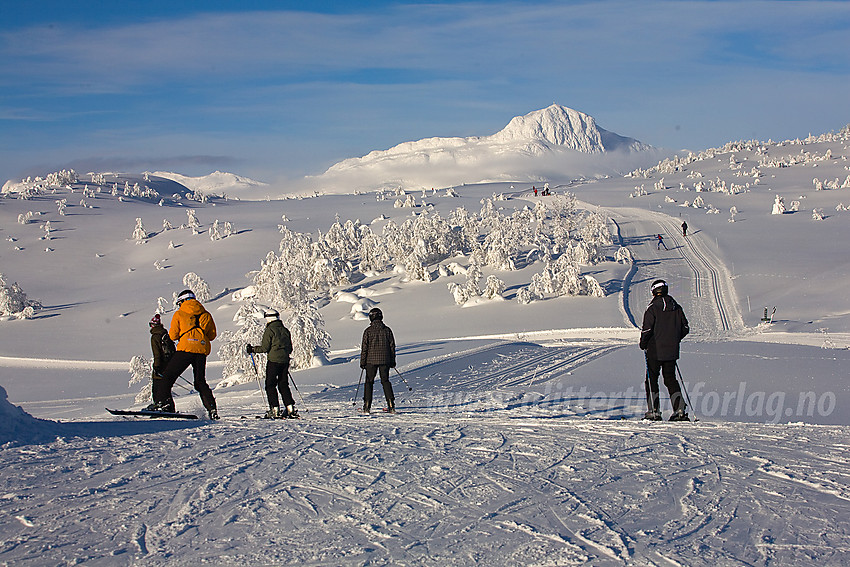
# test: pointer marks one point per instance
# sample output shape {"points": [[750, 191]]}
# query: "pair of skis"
{"points": [[153, 413]]}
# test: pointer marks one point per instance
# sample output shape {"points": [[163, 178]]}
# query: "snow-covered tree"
{"points": [[310, 342], [139, 233], [493, 288], [778, 206], [623, 256], [198, 286], [140, 373], [192, 220], [238, 368]]}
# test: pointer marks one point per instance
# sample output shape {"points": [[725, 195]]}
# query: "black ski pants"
{"points": [[668, 369], [176, 366], [277, 378], [372, 371]]}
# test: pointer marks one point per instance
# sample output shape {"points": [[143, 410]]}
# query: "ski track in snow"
{"points": [[431, 487], [484, 464]]}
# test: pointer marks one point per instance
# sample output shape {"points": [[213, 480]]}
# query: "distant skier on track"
{"points": [[684, 228], [664, 327], [277, 342], [660, 240], [377, 354]]}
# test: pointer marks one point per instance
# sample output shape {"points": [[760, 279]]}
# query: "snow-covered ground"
{"points": [[518, 440]]}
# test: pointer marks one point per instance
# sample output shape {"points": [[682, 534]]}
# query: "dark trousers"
{"points": [[668, 369], [277, 378], [372, 371], [179, 363]]}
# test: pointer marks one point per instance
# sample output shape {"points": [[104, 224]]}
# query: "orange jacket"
{"points": [[192, 328]]}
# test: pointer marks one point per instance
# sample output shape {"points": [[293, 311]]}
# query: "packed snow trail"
{"points": [[428, 488], [688, 263]]}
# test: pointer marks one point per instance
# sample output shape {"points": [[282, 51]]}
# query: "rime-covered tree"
{"points": [[494, 287], [198, 286], [238, 368], [140, 373], [310, 341], [139, 233]]}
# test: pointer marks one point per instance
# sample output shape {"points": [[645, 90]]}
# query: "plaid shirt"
{"points": [[378, 345]]}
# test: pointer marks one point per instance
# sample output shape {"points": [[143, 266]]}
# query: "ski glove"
{"points": [[249, 349]]}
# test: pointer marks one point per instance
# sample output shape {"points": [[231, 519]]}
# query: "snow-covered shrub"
{"points": [[795, 206], [14, 302], [140, 373], [526, 295], [623, 256], [778, 206], [817, 214], [198, 286], [220, 230]]}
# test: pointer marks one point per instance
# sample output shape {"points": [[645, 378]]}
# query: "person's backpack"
{"points": [[168, 348]]}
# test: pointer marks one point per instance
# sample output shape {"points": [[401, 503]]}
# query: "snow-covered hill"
{"points": [[555, 143], [518, 440], [217, 183]]}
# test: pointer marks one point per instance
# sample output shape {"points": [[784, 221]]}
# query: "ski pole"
{"points": [[257, 374], [650, 406], [354, 398], [409, 389], [291, 379], [685, 390], [193, 386]]}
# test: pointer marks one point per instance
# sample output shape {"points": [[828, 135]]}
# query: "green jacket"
{"points": [[277, 342]]}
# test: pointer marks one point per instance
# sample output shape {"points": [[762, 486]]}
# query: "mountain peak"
{"points": [[555, 125]]}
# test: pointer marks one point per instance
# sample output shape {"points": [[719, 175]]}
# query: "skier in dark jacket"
{"points": [[684, 228], [277, 343], [377, 354], [160, 359], [664, 327]]}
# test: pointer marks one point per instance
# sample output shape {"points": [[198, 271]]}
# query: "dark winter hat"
{"points": [[156, 320], [271, 315], [659, 287], [376, 313], [184, 295]]}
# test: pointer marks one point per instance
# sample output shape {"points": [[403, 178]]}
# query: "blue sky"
{"points": [[282, 89]]}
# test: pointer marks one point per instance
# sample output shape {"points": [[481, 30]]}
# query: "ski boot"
{"points": [[291, 413], [652, 415], [273, 413], [213, 413], [390, 407], [366, 409], [680, 415], [167, 407]]}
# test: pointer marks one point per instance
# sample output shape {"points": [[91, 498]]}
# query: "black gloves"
{"points": [[249, 349]]}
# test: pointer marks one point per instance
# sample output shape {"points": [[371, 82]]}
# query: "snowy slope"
{"points": [[517, 441]]}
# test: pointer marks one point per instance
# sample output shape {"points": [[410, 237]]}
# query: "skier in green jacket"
{"points": [[277, 343]]}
